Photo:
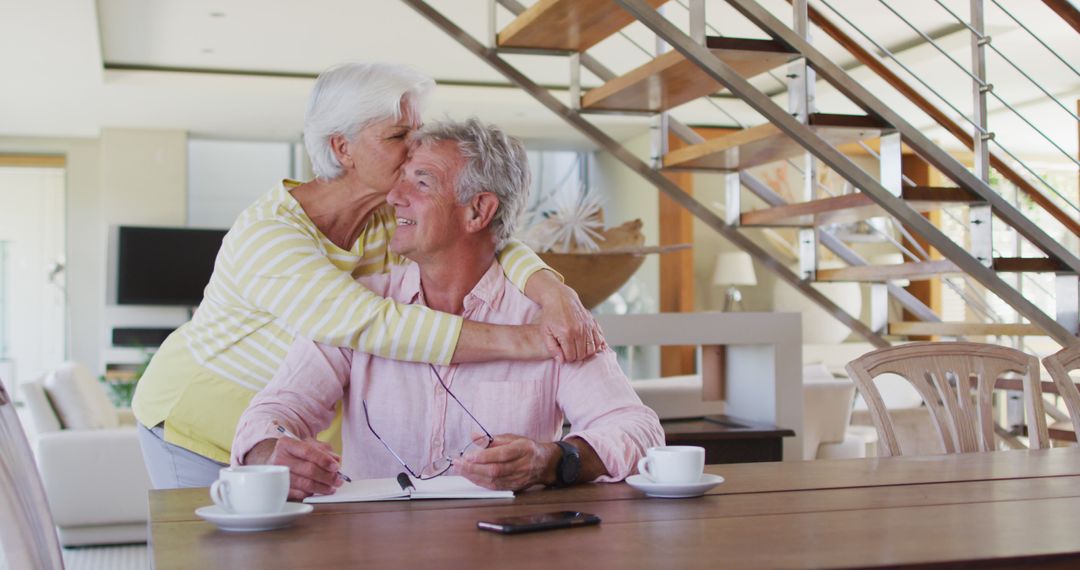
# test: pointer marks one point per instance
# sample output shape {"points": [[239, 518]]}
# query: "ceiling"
{"points": [[241, 69]]}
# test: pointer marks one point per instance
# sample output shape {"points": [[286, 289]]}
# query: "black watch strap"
{"points": [[569, 467]]}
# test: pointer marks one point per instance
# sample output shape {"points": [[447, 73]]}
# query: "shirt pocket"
{"points": [[520, 407]]}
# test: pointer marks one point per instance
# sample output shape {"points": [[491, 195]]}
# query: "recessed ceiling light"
{"points": [[217, 14]]}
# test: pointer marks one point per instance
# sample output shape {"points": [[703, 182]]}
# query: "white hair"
{"points": [[494, 162], [348, 97]]}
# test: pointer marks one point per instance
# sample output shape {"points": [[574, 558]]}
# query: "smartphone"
{"points": [[542, 521]]}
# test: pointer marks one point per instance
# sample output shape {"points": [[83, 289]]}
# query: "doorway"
{"points": [[33, 285]]}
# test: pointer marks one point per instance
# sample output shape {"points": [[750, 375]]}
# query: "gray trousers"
{"points": [[171, 466]]}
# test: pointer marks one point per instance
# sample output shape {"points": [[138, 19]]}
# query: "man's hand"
{"points": [[511, 462], [570, 330], [313, 466]]}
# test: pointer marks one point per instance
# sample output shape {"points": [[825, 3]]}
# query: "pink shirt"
{"points": [[413, 413]]}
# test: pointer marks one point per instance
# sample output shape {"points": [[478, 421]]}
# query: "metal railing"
{"points": [[977, 304], [981, 131], [801, 133]]}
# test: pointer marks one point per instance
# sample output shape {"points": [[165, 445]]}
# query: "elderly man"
{"points": [[458, 200]]}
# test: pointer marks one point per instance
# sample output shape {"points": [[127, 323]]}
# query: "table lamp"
{"points": [[733, 268]]}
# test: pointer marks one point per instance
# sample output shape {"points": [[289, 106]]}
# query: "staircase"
{"points": [[699, 66]]}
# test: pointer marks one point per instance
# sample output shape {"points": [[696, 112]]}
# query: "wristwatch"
{"points": [[569, 467]]}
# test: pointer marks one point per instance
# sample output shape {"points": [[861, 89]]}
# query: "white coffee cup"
{"points": [[251, 489], [673, 464]]}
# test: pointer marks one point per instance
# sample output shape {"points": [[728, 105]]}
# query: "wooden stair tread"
{"points": [[767, 143], [850, 207], [963, 329], [1028, 264], [567, 25], [929, 269], [940, 194], [671, 80], [880, 273]]}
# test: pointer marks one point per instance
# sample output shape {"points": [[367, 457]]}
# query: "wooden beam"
{"points": [[677, 268], [928, 291], [1067, 11], [713, 378], [33, 160]]}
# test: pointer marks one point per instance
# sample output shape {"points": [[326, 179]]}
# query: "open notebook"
{"points": [[389, 489]]}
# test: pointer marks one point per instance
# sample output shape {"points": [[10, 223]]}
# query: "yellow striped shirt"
{"points": [[277, 276]]}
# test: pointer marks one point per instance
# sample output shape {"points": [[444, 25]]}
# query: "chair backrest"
{"points": [[956, 380], [27, 536], [1058, 365]]}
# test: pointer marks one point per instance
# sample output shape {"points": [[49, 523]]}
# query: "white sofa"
{"points": [[89, 457]]}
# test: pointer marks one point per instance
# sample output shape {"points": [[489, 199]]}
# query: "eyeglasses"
{"points": [[443, 464]]}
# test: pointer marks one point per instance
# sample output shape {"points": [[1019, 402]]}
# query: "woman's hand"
{"points": [[571, 333]]}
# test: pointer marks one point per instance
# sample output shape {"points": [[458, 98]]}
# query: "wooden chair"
{"points": [[1058, 365], [27, 535], [956, 380]]}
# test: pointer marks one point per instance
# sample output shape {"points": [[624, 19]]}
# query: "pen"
{"points": [[281, 429]]}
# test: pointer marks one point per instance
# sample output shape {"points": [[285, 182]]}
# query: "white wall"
{"points": [[127, 176], [224, 177]]}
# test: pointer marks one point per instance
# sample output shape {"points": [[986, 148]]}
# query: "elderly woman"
{"points": [[289, 265]]}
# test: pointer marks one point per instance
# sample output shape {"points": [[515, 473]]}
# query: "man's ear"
{"points": [[339, 144], [481, 211]]}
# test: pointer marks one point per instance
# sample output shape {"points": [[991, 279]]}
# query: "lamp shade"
{"points": [[734, 268]]}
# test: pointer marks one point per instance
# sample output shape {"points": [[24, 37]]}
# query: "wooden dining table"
{"points": [[997, 509]]}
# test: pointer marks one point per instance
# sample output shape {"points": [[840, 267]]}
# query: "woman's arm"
{"points": [[569, 329], [277, 268]]}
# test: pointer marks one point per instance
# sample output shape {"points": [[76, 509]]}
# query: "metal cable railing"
{"points": [[888, 53], [1036, 37], [982, 84], [986, 41], [979, 305]]}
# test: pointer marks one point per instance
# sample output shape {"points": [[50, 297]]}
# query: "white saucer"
{"points": [[674, 490], [252, 523]]}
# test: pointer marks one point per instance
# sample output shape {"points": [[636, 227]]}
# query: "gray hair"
{"points": [[348, 97], [494, 162]]}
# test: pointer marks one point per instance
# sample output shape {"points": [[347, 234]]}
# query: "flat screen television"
{"points": [[165, 266]]}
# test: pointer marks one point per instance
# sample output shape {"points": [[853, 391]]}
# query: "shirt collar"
{"points": [[487, 291]]}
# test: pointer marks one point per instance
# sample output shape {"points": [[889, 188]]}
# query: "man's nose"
{"points": [[394, 197]]}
